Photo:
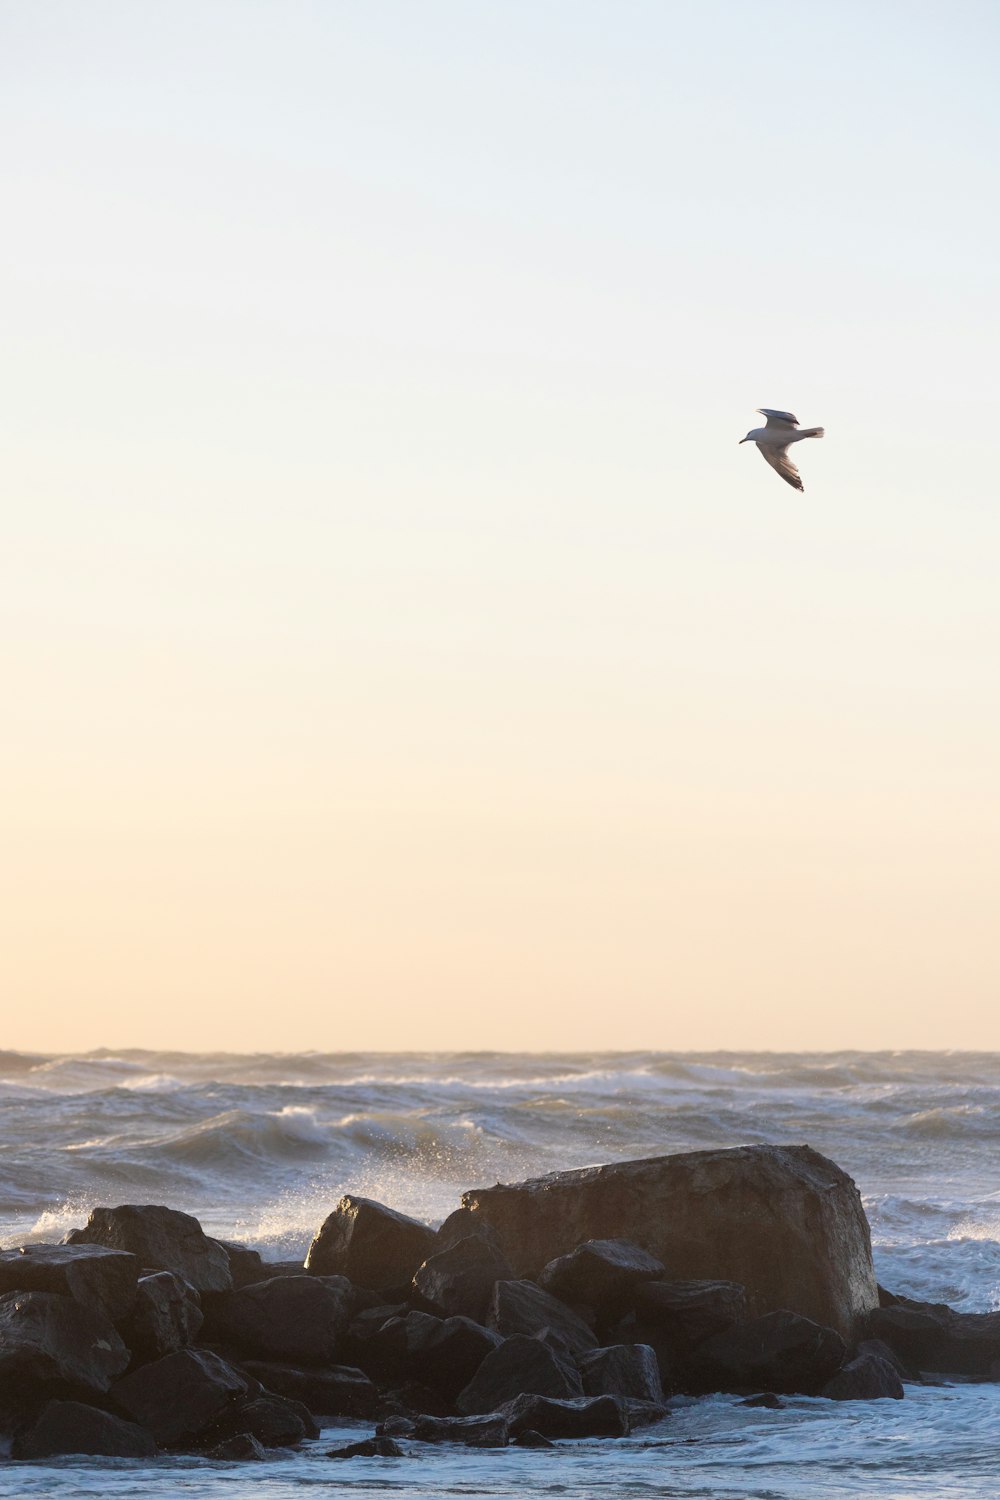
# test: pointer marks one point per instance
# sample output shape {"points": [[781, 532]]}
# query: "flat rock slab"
{"points": [[100, 1279], [580, 1417], [330, 1391], [783, 1221], [73, 1427], [489, 1431], [47, 1339], [161, 1239]]}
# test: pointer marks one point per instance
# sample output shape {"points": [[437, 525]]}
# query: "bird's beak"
{"points": [[742, 440]]}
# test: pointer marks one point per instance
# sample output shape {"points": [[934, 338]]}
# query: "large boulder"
{"points": [[622, 1370], [522, 1307], [779, 1352], [442, 1353], [274, 1421], [176, 1398], [167, 1316], [331, 1391], [520, 1364], [161, 1239], [73, 1427], [459, 1281], [47, 1340], [603, 1274], [245, 1264], [783, 1221], [100, 1279], [297, 1318], [370, 1244], [488, 1431], [685, 1313], [932, 1337]]}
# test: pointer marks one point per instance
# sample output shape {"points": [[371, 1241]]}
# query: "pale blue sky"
{"points": [[402, 649]]}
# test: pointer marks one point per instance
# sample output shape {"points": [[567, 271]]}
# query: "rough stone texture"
{"points": [[867, 1377], [298, 1318], [522, 1307], [783, 1221], [72, 1427], [879, 1347], [489, 1431], [583, 1416], [161, 1239], [241, 1449], [376, 1447], [687, 1312], [459, 1281], [459, 1225], [370, 1244], [933, 1337], [333, 1391], [622, 1370], [167, 1316], [779, 1352], [443, 1353], [178, 1396], [274, 1421], [47, 1339], [601, 1273], [99, 1279], [519, 1365], [245, 1265]]}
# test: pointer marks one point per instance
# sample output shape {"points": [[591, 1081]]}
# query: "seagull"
{"points": [[774, 439]]}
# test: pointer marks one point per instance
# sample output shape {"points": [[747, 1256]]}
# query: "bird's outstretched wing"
{"points": [[778, 418], [782, 464]]}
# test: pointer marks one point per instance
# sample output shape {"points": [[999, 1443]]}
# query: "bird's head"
{"points": [[747, 439]]}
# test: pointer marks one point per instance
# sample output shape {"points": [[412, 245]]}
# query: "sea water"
{"points": [[261, 1147]]}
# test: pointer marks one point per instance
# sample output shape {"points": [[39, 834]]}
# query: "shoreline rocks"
{"points": [[142, 1333]]}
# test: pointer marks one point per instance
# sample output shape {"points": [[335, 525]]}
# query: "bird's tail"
{"points": [[812, 432]]}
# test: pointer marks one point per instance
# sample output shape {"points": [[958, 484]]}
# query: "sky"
{"points": [[399, 650]]}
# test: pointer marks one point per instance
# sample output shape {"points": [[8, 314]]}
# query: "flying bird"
{"points": [[774, 439]]}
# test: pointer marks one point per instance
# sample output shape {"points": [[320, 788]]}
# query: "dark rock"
{"points": [[644, 1413], [529, 1438], [99, 1279], [370, 1244], [473, 1432], [603, 1274], [384, 1348], [244, 1448], [332, 1391], [782, 1221], [167, 1316], [459, 1281], [580, 1417], [178, 1396], [376, 1447], [867, 1377], [269, 1269], [47, 1340], [448, 1354], [459, 1225], [519, 1365], [396, 1427], [780, 1352], [245, 1265], [622, 1370], [930, 1336], [877, 1346], [522, 1307], [161, 1239], [72, 1427], [686, 1313], [272, 1420], [298, 1318], [414, 1398], [767, 1399]]}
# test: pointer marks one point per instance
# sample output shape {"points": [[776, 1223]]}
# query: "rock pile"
{"points": [[142, 1334]]}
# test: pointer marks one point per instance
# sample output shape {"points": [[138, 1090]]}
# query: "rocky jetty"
{"points": [[571, 1306]]}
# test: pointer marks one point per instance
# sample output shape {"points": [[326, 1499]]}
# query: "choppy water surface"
{"points": [[261, 1148]]}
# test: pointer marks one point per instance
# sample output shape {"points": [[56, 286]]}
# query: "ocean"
{"points": [[261, 1147]]}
